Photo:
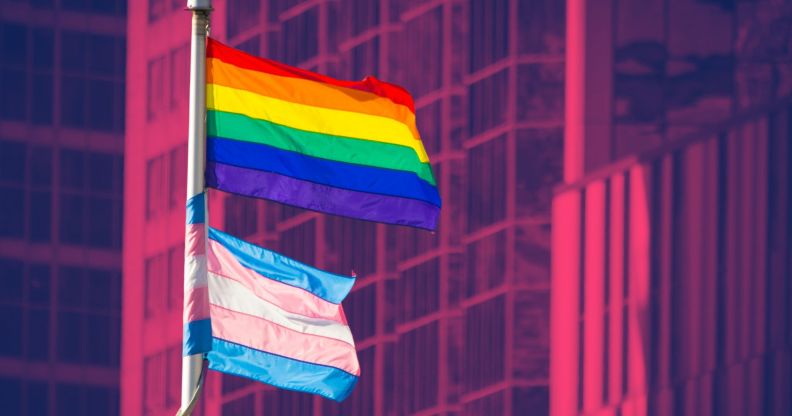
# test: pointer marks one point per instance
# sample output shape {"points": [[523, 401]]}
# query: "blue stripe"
{"points": [[328, 286], [197, 337], [196, 209], [279, 371], [322, 171]]}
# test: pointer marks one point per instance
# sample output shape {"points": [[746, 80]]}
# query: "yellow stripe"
{"points": [[307, 92], [314, 119]]}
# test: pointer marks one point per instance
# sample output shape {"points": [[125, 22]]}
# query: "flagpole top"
{"points": [[199, 5]]}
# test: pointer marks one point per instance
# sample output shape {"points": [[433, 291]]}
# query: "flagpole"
{"points": [[192, 365]]}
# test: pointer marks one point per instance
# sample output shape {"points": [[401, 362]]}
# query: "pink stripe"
{"points": [[196, 304], [266, 336], [221, 262], [194, 239]]}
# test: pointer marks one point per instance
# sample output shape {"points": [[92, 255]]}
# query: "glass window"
{"points": [[73, 51], [100, 287], [38, 334], [156, 88], [73, 101], [101, 60], [41, 106], [242, 406], [37, 399], [13, 101], [155, 186], [100, 211], [416, 61], [12, 212], [10, 395], [488, 103], [540, 155], [72, 169], [541, 26], [39, 220], [361, 309], [70, 287], [299, 38], [486, 267], [11, 280], [179, 75], [12, 161], [100, 400], [153, 379], [43, 48], [101, 171], [540, 92], [489, 32], [299, 242], [38, 284], [13, 38], [71, 219], [41, 166], [242, 15], [487, 191], [101, 104], [11, 327], [419, 290], [103, 346], [365, 15], [70, 335], [365, 59], [417, 358], [351, 245], [156, 284], [241, 217], [178, 177], [484, 338]]}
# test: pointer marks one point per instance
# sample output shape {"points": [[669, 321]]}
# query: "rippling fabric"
{"points": [[348, 148], [276, 320]]}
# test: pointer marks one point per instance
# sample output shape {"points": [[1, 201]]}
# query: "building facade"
{"points": [[447, 323], [671, 233], [61, 145]]}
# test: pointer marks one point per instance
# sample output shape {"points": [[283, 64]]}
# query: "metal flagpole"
{"points": [[192, 365]]}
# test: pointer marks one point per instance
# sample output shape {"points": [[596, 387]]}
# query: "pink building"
{"points": [[452, 323], [61, 144], [671, 233]]}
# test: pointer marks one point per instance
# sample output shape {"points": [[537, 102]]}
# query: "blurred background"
{"points": [[615, 237]]}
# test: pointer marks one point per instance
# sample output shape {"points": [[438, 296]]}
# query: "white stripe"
{"points": [[194, 272], [232, 295]]}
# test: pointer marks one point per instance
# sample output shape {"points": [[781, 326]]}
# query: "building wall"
{"points": [[454, 322], [61, 144], [670, 269], [671, 287]]}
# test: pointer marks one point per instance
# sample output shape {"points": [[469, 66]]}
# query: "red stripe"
{"points": [[370, 84]]}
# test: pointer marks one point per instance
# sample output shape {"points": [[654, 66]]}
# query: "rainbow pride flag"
{"points": [[273, 319], [308, 140]]}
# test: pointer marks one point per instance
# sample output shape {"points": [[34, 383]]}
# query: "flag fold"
{"points": [[278, 321], [300, 138]]}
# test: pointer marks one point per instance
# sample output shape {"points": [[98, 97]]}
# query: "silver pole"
{"points": [[196, 163]]}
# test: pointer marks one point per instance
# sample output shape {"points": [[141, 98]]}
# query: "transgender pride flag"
{"points": [[276, 320]]}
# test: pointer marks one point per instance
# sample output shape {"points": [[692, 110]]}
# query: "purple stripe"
{"points": [[322, 198]]}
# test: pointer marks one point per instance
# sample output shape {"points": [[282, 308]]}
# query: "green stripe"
{"points": [[342, 149]]}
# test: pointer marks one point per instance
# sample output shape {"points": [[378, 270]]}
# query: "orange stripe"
{"points": [[393, 92], [307, 92]]}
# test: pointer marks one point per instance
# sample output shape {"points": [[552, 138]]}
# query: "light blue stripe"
{"points": [[328, 286], [197, 337], [196, 209], [279, 371]]}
